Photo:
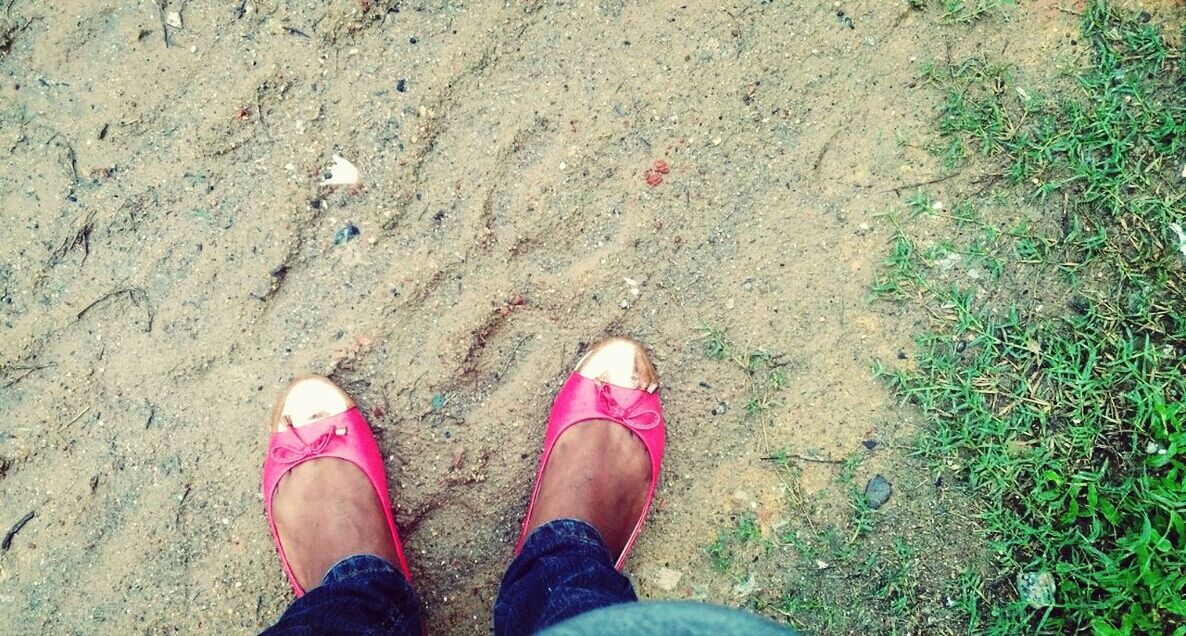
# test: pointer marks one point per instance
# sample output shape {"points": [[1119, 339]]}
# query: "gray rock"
{"points": [[878, 491]]}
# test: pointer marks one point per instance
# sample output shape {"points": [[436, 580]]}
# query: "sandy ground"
{"points": [[168, 263]]}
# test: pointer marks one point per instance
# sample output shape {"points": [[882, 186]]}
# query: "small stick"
{"points": [[27, 371], [165, 32], [412, 389], [7, 543], [922, 183], [818, 460], [180, 504], [819, 158], [101, 299], [20, 377], [76, 418], [71, 158], [135, 294], [259, 106], [765, 435]]}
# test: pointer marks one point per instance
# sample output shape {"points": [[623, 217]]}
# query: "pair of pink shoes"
{"points": [[314, 419]]}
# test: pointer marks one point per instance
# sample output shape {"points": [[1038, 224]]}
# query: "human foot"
{"points": [[600, 470], [326, 508]]}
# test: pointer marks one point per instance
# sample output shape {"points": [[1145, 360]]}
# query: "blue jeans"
{"points": [[563, 572]]}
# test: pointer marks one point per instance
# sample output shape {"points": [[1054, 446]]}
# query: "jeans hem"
{"points": [[357, 565]]}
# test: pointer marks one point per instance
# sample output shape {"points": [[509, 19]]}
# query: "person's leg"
{"points": [[592, 492], [330, 523], [564, 570], [359, 595], [671, 618]]}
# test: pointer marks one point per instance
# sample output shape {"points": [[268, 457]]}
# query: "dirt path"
{"points": [[169, 262]]}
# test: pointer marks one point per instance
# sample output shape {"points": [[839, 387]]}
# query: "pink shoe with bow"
{"points": [[315, 419], [614, 382]]}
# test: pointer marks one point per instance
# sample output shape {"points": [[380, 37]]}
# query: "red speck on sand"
{"points": [[654, 174]]}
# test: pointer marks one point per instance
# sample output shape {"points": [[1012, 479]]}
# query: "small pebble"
{"points": [[878, 491], [348, 233], [720, 409]]}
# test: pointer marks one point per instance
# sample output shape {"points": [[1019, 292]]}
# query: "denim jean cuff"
{"points": [[358, 565], [563, 532]]}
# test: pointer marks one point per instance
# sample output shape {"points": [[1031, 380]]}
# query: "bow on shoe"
{"points": [[292, 454], [635, 415]]}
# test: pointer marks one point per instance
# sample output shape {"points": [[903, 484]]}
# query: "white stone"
{"points": [[342, 173], [667, 579]]}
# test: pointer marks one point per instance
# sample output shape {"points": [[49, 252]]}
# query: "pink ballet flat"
{"points": [[314, 419], [614, 381]]}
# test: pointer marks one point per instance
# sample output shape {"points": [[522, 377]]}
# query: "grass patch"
{"points": [[724, 551], [1068, 420], [965, 10], [716, 343], [765, 373], [826, 563], [720, 553], [765, 378]]}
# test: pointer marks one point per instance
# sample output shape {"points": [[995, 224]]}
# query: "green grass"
{"points": [[722, 553], [864, 518], [966, 10], [765, 372], [747, 529], [1066, 418], [716, 344]]}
